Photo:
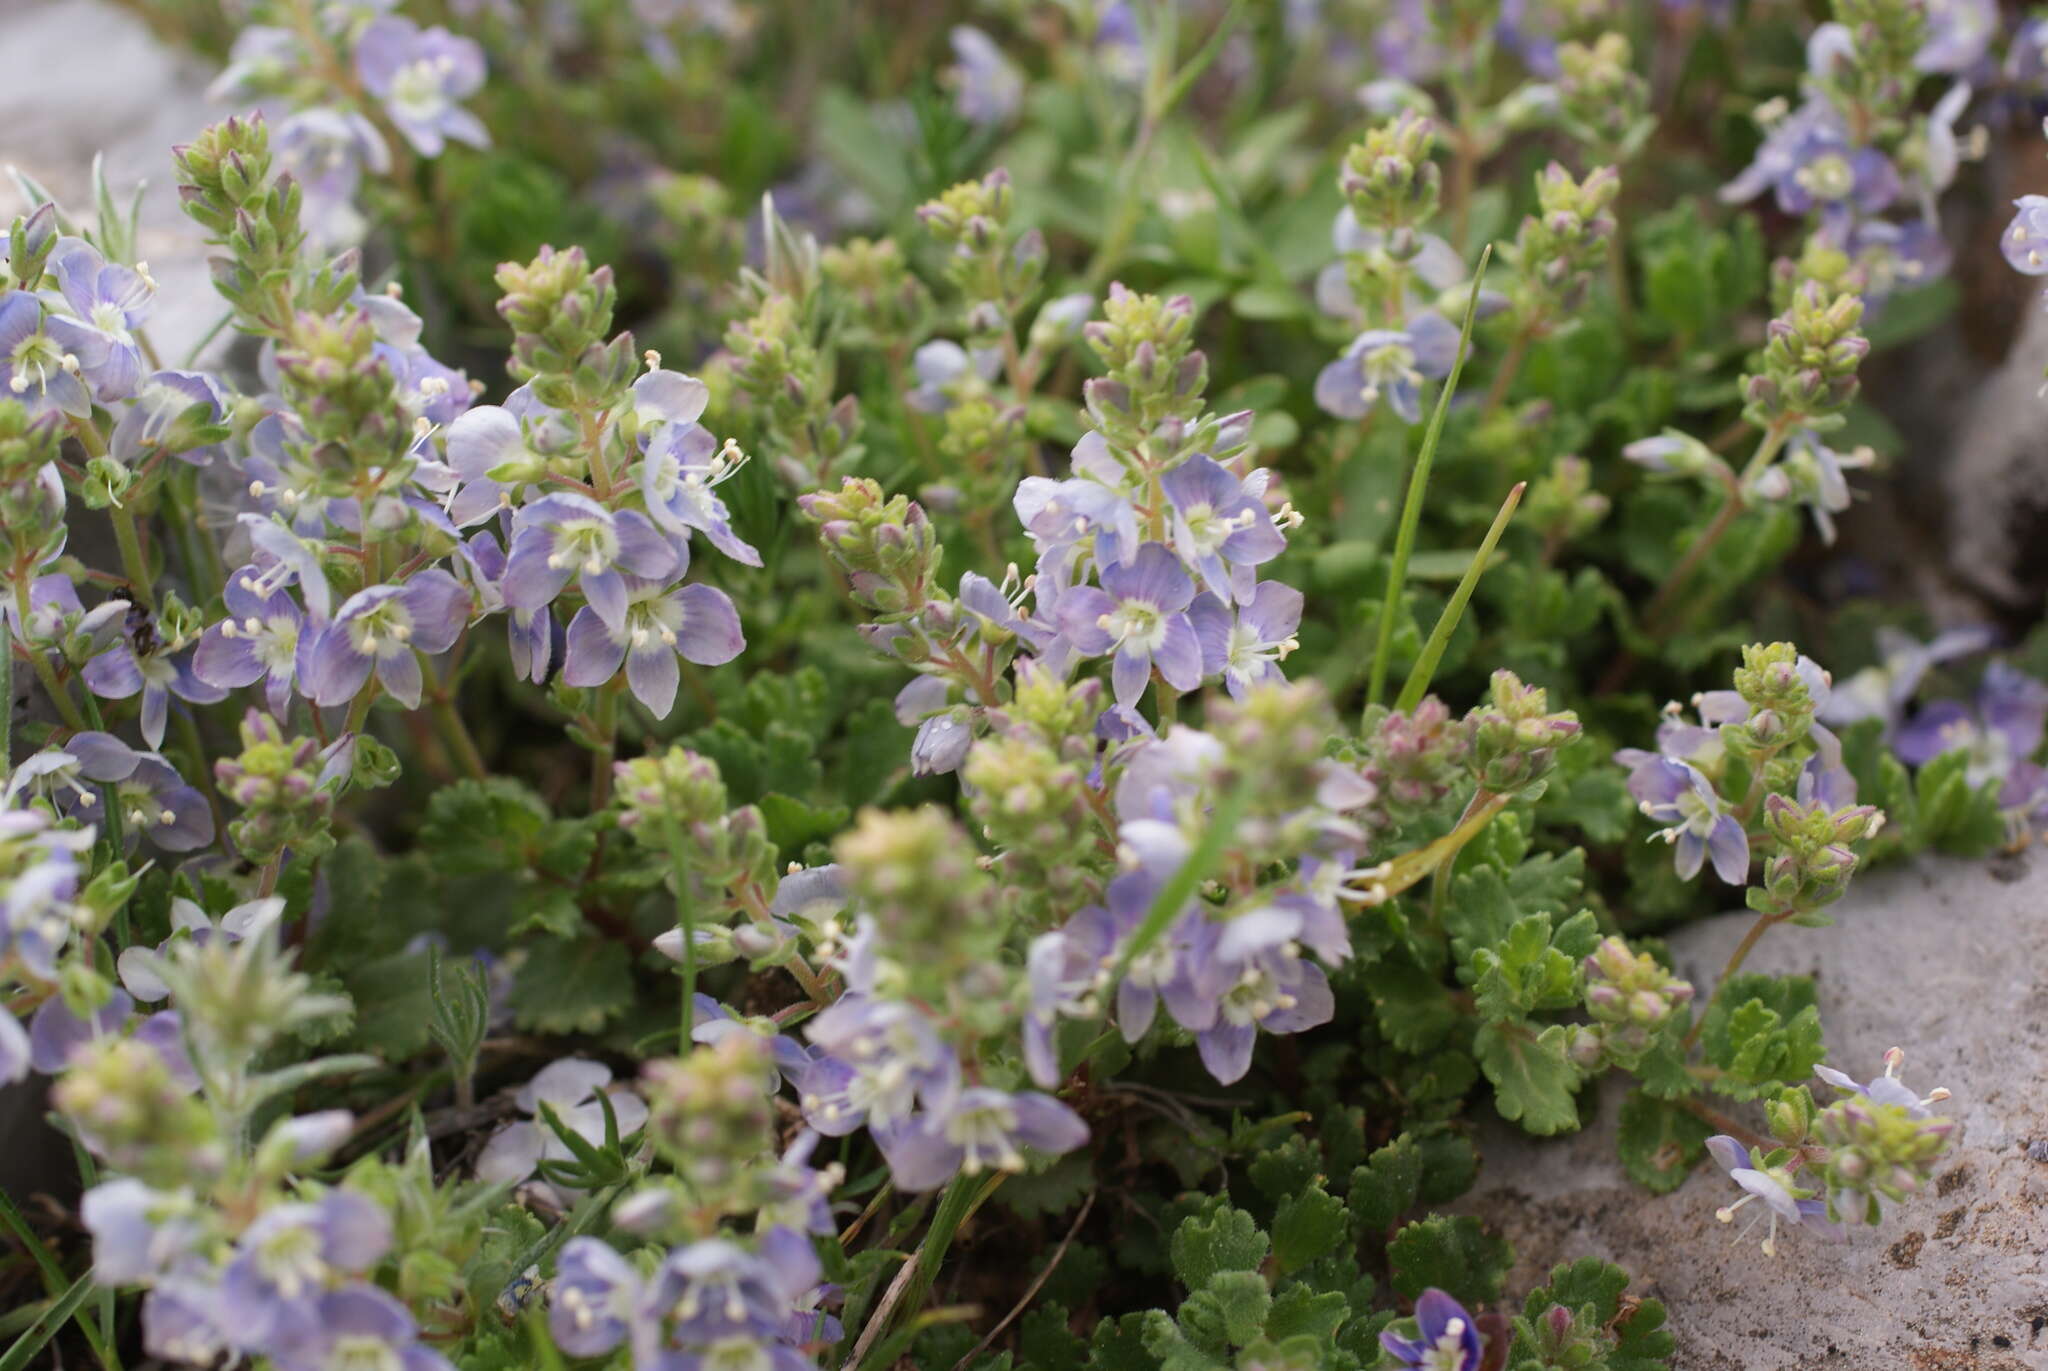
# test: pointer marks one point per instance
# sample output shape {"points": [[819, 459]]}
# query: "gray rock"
{"points": [[88, 78], [1994, 479], [1944, 959]]}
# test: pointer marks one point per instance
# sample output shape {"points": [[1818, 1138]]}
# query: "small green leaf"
{"points": [[1533, 1076], [1456, 1255], [1659, 1142], [1306, 1227], [1386, 1187], [1225, 1239]]}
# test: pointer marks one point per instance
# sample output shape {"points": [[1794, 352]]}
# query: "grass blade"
{"points": [[1418, 485], [1447, 622], [44, 1328]]}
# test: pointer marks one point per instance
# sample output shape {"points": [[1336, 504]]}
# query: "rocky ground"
{"points": [[88, 80], [1944, 959]]}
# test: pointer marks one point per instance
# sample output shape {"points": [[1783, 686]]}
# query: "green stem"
{"points": [[133, 565], [53, 1277], [44, 1328], [962, 1198], [1447, 622], [686, 924], [455, 734], [1682, 574], [1735, 961], [1188, 877], [39, 662], [1418, 483], [607, 721]]}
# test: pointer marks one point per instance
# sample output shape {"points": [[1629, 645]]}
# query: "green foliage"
{"points": [[1455, 1255], [1762, 1032]]}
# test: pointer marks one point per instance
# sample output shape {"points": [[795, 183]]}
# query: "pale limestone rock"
{"points": [[1947, 959]]}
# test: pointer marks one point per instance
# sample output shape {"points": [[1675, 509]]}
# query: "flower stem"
{"points": [[40, 664], [686, 924], [456, 736], [1735, 961], [1418, 484], [1682, 574]]}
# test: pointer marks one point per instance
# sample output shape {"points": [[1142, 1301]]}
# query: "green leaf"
{"points": [[1533, 1076], [474, 827], [1532, 969], [575, 987], [1386, 1187], [1763, 1031], [1299, 1312], [1226, 1239], [1449, 1166], [1281, 1171], [1308, 1226], [1659, 1142], [1118, 1344], [1415, 1012], [1633, 1329], [794, 825], [1233, 1303], [1456, 1255]]}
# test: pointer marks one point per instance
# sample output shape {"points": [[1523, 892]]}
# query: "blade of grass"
{"points": [[1447, 622], [99, 1337], [43, 1329], [1418, 484]]}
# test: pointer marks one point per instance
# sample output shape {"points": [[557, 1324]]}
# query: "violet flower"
{"points": [[382, 628], [984, 1129], [560, 536], [1245, 647], [327, 149], [1959, 34], [1886, 1089], [35, 368], [1220, 525], [943, 368], [119, 672], [1676, 793], [153, 800], [2025, 240], [1095, 500], [156, 421], [1390, 365], [351, 1328], [259, 640], [1812, 473], [1066, 972], [490, 438], [679, 477], [875, 1062], [1773, 1187], [1139, 615], [2000, 731], [1445, 1338], [292, 1254], [1884, 690], [420, 75], [592, 1298], [1256, 978], [109, 303], [696, 622], [531, 635], [138, 1233], [714, 1303], [987, 87]]}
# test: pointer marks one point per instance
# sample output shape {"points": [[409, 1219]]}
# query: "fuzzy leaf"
{"points": [[1299, 1311], [1533, 1076], [1455, 1255], [1385, 1188], [1415, 1012], [1224, 1239], [573, 987], [473, 827], [1307, 1225], [1763, 1031], [1285, 1170], [1532, 968], [1659, 1142]]}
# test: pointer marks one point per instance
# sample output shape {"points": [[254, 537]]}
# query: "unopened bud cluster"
{"points": [[1632, 995], [1390, 179], [1516, 735], [885, 546], [997, 271], [277, 782], [1808, 370], [711, 1115], [1560, 246]]}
